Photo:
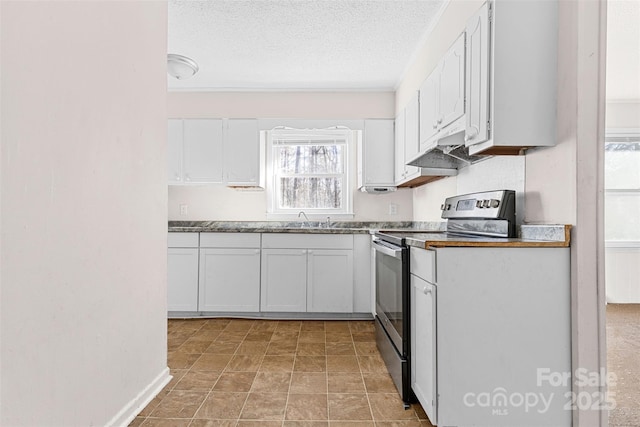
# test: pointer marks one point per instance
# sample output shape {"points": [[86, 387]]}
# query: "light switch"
{"points": [[184, 209], [393, 209]]}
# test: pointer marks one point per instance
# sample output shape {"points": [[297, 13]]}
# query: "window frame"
{"points": [[272, 175], [620, 136]]}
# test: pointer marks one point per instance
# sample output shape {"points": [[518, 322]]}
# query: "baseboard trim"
{"points": [[137, 404]]}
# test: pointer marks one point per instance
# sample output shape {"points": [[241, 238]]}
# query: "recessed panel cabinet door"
{"points": [[182, 280], [330, 281], [411, 133], [202, 150], [477, 77], [284, 280], [451, 99], [242, 152], [230, 280], [423, 344], [400, 171], [429, 108]]}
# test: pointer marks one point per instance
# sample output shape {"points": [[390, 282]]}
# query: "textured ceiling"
{"points": [[298, 44], [623, 50]]}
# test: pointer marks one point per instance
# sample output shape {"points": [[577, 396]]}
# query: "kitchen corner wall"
{"points": [[83, 211], [217, 202]]}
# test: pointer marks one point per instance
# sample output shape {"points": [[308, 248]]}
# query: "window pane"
{"points": [[310, 193], [622, 216], [310, 159]]}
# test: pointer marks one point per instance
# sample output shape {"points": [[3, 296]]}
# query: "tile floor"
{"points": [[236, 372]]}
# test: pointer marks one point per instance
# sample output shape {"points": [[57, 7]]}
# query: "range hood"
{"points": [[377, 189], [448, 151]]}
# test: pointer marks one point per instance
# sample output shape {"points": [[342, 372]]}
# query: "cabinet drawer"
{"points": [[182, 240], [422, 263], [230, 240], [307, 241]]}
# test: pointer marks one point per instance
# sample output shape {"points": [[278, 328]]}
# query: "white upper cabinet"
{"points": [[442, 95], [429, 113], [408, 143], [451, 99], [400, 171], [477, 78], [203, 151], [202, 161], [194, 151], [376, 154], [511, 76], [242, 153]]}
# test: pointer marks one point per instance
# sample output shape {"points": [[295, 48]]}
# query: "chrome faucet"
{"points": [[328, 222], [305, 217]]}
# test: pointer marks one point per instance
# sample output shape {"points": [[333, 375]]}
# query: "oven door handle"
{"points": [[396, 253]]}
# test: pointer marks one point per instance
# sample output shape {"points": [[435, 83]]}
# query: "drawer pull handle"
{"points": [[426, 290]]}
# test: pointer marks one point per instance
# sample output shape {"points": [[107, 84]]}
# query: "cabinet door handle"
{"points": [[426, 290], [435, 125], [187, 178], [177, 177], [257, 251], [309, 251], [304, 251]]}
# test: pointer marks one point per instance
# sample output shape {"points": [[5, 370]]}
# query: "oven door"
{"points": [[392, 304]]}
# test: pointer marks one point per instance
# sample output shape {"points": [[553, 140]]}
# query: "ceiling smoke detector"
{"points": [[181, 67]]}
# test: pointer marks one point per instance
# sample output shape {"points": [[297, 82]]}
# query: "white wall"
{"points": [[83, 210], [216, 202]]}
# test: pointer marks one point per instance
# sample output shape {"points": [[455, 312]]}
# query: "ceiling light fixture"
{"points": [[181, 67]]}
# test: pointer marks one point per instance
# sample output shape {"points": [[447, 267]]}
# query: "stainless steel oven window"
{"points": [[389, 289]]}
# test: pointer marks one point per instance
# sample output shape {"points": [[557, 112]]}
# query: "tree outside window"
{"points": [[309, 171]]}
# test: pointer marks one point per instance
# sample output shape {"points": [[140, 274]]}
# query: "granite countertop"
{"points": [[307, 227], [529, 236], [422, 234]]}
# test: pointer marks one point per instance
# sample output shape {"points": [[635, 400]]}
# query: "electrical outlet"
{"points": [[393, 209], [184, 210]]}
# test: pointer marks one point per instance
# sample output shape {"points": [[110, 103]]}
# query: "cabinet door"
{"points": [[378, 152], [242, 152], [182, 279], [174, 152], [202, 151], [411, 133], [330, 281], [451, 99], [400, 171], [477, 77], [429, 108], [229, 280], [423, 344], [284, 280]]}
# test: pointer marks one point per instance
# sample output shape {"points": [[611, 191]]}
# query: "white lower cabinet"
{"points": [[229, 272], [284, 277], [230, 280], [270, 272], [182, 272], [330, 281], [423, 348], [182, 280], [307, 273], [486, 321]]}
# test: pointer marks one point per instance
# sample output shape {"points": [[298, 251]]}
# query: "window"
{"points": [[622, 188], [308, 171]]}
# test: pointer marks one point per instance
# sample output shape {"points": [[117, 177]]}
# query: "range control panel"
{"points": [[498, 204]]}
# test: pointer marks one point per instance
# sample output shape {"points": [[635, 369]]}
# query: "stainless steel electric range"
{"points": [[489, 213]]}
